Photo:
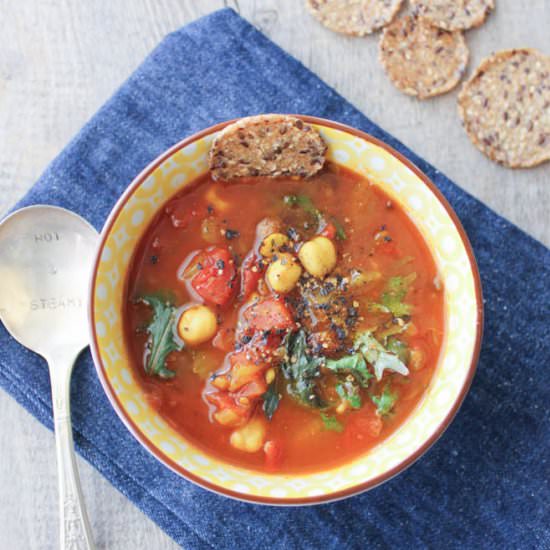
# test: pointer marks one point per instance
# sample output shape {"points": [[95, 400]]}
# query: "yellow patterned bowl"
{"points": [[439, 225]]}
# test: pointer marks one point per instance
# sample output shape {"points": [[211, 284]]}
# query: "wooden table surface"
{"points": [[60, 61]]}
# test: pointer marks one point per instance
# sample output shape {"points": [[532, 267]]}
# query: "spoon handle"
{"points": [[75, 531]]}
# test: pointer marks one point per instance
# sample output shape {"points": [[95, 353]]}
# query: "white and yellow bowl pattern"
{"points": [[458, 274]]}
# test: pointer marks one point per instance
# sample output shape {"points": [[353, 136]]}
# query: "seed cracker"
{"points": [[355, 17], [453, 15], [505, 107], [420, 59], [267, 145]]}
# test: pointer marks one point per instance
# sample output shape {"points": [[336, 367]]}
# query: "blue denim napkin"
{"points": [[483, 485]]}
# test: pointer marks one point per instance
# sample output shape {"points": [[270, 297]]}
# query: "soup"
{"points": [[284, 325]]}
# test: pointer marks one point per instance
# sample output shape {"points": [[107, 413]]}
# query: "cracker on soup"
{"points": [[267, 145]]}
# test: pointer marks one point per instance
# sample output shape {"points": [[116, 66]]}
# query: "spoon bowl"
{"points": [[46, 254], [45, 260]]}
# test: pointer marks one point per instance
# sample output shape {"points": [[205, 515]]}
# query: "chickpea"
{"points": [[318, 256], [270, 375], [272, 244], [251, 437], [197, 324], [283, 274]]}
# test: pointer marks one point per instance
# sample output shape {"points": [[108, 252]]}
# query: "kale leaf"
{"points": [[302, 371], [349, 391], [385, 401], [162, 339], [378, 356], [352, 364]]}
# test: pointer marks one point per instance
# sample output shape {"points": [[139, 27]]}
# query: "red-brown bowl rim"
{"points": [[337, 495]]}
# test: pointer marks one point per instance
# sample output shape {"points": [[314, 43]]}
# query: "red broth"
{"points": [[380, 241]]}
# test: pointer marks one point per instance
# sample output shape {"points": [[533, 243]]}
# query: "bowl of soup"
{"points": [[285, 340]]}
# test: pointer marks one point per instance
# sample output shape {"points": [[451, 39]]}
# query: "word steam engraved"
{"points": [[56, 303]]}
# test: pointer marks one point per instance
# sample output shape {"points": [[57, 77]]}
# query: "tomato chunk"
{"points": [[215, 280], [264, 324], [251, 272], [265, 343], [268, 314]]}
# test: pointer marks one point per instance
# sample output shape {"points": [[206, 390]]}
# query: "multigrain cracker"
{"points": [[453, 15], [420, 59], [355, 17], [505, 107], [267, 145]]}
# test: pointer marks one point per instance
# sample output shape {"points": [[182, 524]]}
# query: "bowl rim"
{"points": [[268, 500]]}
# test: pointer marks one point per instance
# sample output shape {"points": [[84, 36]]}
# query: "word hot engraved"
{"points": [[47, 237]]}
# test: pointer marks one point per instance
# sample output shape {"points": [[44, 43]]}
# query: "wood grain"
{"points": [[61, 60]]}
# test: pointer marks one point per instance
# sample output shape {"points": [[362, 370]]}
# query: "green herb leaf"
{"points": [[162, 340], [350, 392], [302, 371], [331, 423], [271, 401], [352, 364], [378, 356], [396, 290], [384, 402]]}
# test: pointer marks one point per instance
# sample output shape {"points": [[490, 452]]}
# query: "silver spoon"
{"points": [[45, 259]]}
